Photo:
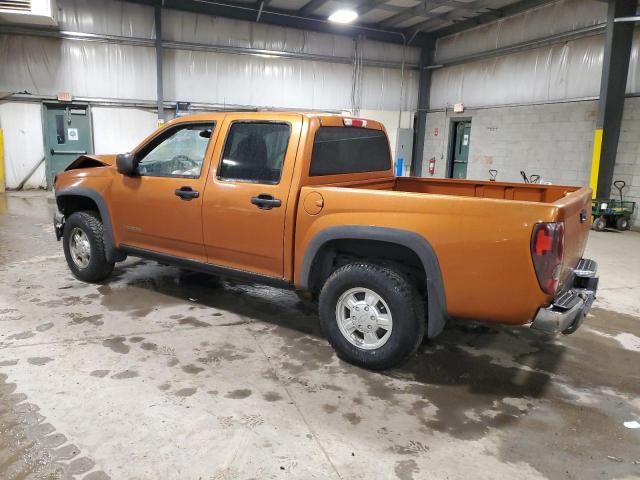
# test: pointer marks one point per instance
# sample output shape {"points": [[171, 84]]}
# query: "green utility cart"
{"points": [[611, 212]]}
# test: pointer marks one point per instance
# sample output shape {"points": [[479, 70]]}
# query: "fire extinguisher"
{"points": [[432, 166]]}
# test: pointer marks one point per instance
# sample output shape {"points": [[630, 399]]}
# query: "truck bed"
{"points": [[476, 228], [526, 192]]}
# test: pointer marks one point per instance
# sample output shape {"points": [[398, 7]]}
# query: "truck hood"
{"points": [[91, 161]]}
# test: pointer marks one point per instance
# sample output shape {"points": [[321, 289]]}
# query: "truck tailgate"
{"points": [[574, 209]]}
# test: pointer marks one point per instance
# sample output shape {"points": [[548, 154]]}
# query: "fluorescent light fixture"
{"points": [[266, 55], [343, 16]]}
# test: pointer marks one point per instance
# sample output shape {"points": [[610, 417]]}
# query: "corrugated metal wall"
{"points": [[564, 71]]}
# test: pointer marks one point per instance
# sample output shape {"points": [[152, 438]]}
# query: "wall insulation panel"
{"points": [[565, 71], [23, 143], [46, 66], [544, 21]]}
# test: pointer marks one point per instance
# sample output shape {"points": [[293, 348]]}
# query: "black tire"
{"points": [[403, 300], [599, 224], [622, 223], [97, 268]]}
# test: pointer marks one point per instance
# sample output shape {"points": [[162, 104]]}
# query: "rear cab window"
{"points": [[344, 150]]}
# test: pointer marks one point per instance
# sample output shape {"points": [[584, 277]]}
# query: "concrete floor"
{"points": [[162, 374]]}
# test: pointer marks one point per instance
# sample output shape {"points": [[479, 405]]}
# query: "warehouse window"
{"points": [[339, 150], [178, 152], [255, 152]]}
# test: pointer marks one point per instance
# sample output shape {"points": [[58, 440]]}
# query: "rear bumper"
{"points": [[568, 310]]}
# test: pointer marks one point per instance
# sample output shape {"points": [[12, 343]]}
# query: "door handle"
{"points": [[265, 201], [187, 193], [68, 152]]}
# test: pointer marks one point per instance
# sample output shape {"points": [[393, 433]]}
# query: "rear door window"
{"points": [[340, 150], [254, 152]]}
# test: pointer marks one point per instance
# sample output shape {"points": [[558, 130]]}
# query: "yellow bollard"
{"points": [[595, 161], [1, 162]]}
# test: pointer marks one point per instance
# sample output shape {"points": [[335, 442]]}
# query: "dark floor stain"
{"points": [[186, 392], [406, 469], [81, 465], [79, 319], [172, 362], [136, 339], [352, 418], [97, 475], [225, 352], [21, 335], [117, 345], [329, 408], [192, 369], [239, 394], [100, 373], [217, 314], [39, 360], [44, 327], [8, 363], [193, 322], [125, 374], [149, 346], [164, 387], [135, 297], [175, 317], [272, 396]]}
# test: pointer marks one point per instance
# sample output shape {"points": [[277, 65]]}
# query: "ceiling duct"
{"points": [[29, 12]]}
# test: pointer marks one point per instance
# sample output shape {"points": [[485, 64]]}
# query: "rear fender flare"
{"points": [[436, 304]]}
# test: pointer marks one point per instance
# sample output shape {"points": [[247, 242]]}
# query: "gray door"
{"points": [[67, 135], [461, 143]]}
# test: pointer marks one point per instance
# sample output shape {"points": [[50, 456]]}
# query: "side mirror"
{"points": [[126, 164]]}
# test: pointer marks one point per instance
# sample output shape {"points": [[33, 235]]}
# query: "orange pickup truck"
{"points": [[310, 202]]}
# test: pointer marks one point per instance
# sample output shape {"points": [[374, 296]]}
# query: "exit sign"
{"points": [[64, 97]]}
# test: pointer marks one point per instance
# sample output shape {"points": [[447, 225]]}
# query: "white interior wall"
{"points": [[21, 125], [119, 130]]}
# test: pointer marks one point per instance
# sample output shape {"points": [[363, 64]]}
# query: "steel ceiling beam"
{"points": [[369, 6], [310, 7], [425, 10], [279, 17]]}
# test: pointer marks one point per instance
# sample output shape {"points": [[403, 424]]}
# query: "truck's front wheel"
{"points": [[372, 315], [84, 247]]}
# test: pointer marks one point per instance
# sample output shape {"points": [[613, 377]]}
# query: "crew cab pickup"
{"points": [[310, 202]]}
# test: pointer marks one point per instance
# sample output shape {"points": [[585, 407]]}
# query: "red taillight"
{"points": [[547, 249], [354, 122]]}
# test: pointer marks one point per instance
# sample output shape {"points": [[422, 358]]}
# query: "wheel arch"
{"points": [[73, 199], [418, 245]]}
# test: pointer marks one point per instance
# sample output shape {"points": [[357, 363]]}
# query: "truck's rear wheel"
{"points": [[84, 247], [373, 316]]}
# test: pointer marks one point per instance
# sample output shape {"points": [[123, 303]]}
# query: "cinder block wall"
{"points": [[551, 140]]}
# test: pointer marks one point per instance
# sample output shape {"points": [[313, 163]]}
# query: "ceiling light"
{"points": [[343, 16]]}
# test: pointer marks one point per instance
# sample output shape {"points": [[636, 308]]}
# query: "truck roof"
{"points": [[325, 118]]}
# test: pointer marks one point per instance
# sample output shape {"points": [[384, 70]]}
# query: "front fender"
{"points": [[112, 253]]}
